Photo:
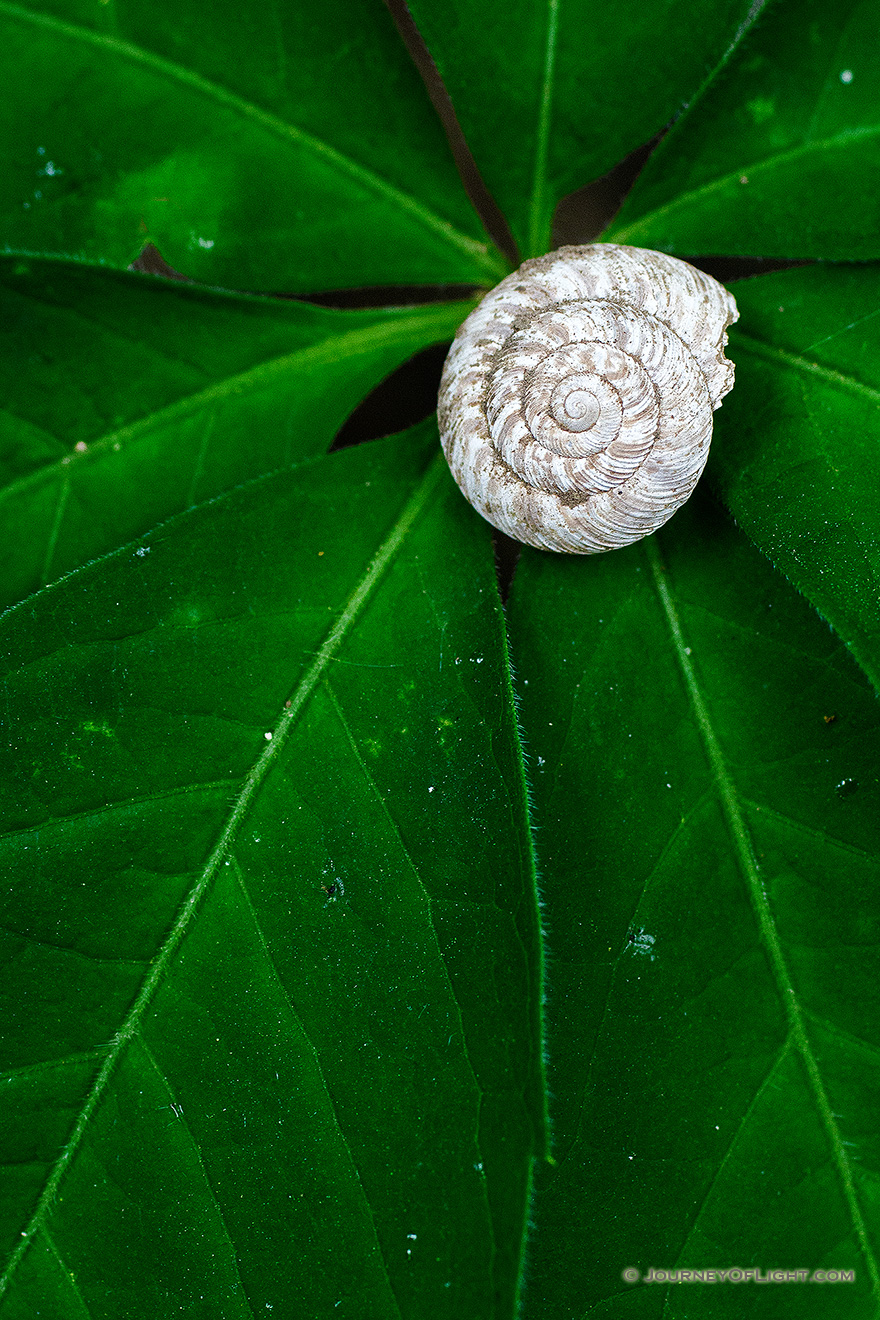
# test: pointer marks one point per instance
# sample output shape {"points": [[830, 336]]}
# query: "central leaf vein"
{"points": [[787, 358], [220, 854], [289, 133], [537, 242], [348, 344], [741, 839], [685, 199]]}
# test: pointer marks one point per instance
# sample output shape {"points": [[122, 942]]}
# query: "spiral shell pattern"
{"points": [[576, 401]]}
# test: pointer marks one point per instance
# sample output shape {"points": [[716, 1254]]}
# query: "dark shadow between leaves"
{"points": [[494, 221], [406, 397], [507, 555], [586, 213], [729, 269], [151, 262]]}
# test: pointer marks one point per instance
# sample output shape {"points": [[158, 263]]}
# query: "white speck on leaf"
{"points": [[846, 76], [642, 942]]}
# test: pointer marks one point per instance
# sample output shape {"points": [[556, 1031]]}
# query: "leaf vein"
{"points": [[68, 1274], [55, 529], [742, 843], [77, 953], [845, 1038], [180, 1117], [429, 902], [714, 1180], [329, 350], [320, 1071], [683, 200], [227, 785], [798, 362], [44, 1065], [287, 132], [542, 146], [664, 853], [821, 835], [264, 762]]}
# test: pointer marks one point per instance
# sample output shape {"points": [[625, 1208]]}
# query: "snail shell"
{"points": [[576, 402]]}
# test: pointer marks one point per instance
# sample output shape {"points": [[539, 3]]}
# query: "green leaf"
{"points": [[798, 440], [271, 1004], [261, 146], [544, 91], [127, 399], [710, 854], [772, 160]]}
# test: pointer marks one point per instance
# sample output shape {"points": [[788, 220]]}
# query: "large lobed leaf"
{"points": [[704, 772], [249, 142], [127, 399], [271, 994], [772, 160], [273, 968]]}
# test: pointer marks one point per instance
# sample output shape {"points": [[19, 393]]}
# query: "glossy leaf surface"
{"points": [[545, 91], [772, 160], [249, 142], [798, 441], [271, 975], [271, 993], [127, 399], [709, 843]]}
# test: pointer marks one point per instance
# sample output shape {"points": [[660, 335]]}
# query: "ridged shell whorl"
{"points": [[576, 402]]}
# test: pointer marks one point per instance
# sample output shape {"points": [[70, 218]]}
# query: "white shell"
{"points": [[576, 402]]}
